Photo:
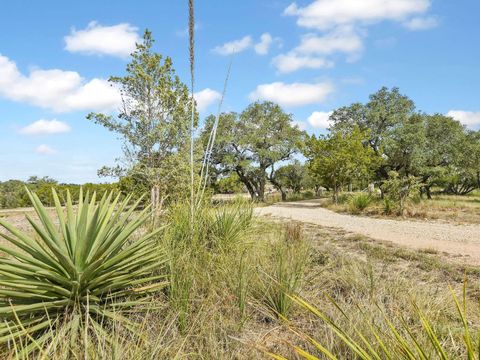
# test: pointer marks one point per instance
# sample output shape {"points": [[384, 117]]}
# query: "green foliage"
{"points": [[251, 143], [398, 190], [88, 270], [360, 202], [289, 177], [435, 148], [340, 158], [153, 122], [13, 193], [229, 184]]}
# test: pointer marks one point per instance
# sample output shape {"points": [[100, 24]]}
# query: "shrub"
{"points": [[400, 189], [360, 202], [82, 273]]}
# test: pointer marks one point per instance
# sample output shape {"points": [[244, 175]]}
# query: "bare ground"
{"points": [[459, 241]]}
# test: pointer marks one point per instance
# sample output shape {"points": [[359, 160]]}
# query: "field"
{"points": [[230, 305]]}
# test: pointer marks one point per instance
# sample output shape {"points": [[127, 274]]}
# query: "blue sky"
{"points": [[311, 56]]}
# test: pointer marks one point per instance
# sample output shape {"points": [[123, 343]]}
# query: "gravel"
{"points": [[462, 241]]}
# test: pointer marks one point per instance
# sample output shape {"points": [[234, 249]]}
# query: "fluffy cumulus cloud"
{"points": [[45, 150], [468, 118], [235, 46], [205, 98], [320, 119], [56, 89], [45, 127], [290, 62], [340, 26], [328, 14], [294, 94], [263, 45], [313, 50], [117, 40]]}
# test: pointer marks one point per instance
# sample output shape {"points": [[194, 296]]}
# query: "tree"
{"points": [[252, 143], [229, 184], [386, 111], [289, 177], [464, 172], [340, 158], [153, 123]]}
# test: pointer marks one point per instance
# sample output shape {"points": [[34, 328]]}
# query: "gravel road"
{"points": [[461, 241]]}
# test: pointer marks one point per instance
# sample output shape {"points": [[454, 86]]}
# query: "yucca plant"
{"points": [[230, 224], [83, 270], [398, 342]]}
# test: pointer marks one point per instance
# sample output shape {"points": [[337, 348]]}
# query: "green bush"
{"points": [[360, 202]]}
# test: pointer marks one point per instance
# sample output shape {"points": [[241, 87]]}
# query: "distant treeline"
{"points": [[13, 194]]}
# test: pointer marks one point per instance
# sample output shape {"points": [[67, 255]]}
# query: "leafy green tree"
{"points": [[464, 172], [386, 112], [229, 184], [289, 177], [340, 158], [443, 147], [252, 143], [153, 123]]}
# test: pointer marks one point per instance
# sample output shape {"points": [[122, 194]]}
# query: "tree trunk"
{"points": [[284, 195], [335, 193], [428, 192]]}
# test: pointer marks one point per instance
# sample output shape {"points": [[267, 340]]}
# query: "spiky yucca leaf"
{"points": [[404, 344], [85, 268]]}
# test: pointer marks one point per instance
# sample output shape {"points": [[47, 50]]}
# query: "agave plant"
{"points": [[85, 268]]}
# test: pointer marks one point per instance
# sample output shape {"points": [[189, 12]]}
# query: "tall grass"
{"points": [[392, 341], [284, 270]]}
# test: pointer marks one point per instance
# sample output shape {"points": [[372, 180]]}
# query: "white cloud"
{"points": [[327, 14], [45, 127], [421, 23], [117, 40], [45, 150], [286, 63], [468, 118], [320, 119], [56, 89], [313, 50], [263, 46], [234, 46], [205, 98], [294, 94], [343, 40]]}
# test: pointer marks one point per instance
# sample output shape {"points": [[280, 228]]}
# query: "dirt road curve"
{"points": [[456, 240]]}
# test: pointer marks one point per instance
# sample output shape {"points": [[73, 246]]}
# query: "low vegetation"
{"points": [[230, 291], [452, 208]]}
